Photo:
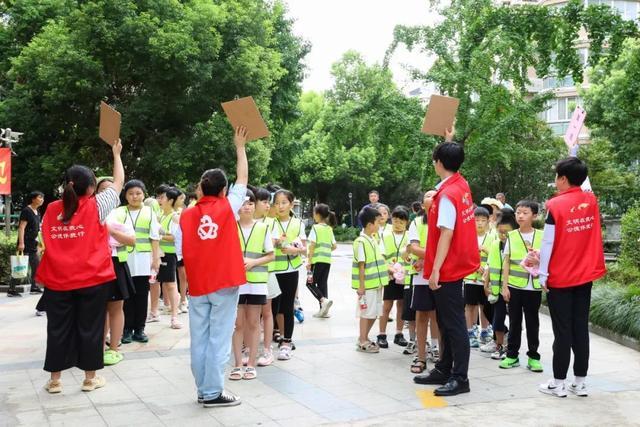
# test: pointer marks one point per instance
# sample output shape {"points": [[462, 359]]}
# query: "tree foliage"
{"points": [[166, 65]]}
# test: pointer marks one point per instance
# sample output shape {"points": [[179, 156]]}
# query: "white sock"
{"points": [[434, 342], [558, 383], [579, 381]]}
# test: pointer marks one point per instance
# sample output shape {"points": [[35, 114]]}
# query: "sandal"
{"points": [[368, 347], [236, 374], [418, 366], [250, 373]]}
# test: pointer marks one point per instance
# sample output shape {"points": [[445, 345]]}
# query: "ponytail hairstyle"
{"points": [[172, 194], [78, 181], [272, 189], [326, 214], [262, 194], [212, 182], [288, 194]]}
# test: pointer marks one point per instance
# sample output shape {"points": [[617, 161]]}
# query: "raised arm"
{"points": [[118, 169], [242, 167]]}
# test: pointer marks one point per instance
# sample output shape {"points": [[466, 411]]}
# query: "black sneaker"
{"points": [[399, 340], [127, 336], [14, 294], [140, 336], [35, 291], [200, 399], [382, 341], [225, 399]]}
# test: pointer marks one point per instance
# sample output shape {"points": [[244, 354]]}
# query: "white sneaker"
{"points": [[489, 347], [182, 308], [324, 307], [151, 318], [41, 313], [284, 353], [552, 389], [578, 390], [500, 353], [266, 358]]}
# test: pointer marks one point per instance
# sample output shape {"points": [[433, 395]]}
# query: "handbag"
{"points": [[19, 265]]}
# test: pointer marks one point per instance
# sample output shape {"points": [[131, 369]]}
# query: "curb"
{"points": [[624, 340]]}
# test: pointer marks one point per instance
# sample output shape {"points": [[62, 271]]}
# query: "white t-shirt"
{"points": [[446, 211], [127, 228], [255, 288], [280, 228], [414, 238], [140, 262], [527, 237]]}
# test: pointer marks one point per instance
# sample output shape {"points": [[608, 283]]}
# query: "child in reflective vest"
{"points": [[321, 244], [520, 289]]}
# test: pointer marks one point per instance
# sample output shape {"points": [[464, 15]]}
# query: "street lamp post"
{"points": [[351, 208]]}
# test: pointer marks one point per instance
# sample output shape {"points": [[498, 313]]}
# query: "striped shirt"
{"points": [[107, 201]]}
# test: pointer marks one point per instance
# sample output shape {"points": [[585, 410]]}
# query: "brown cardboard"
{"points": [[109, 124], [244, 112], [441, 114]]}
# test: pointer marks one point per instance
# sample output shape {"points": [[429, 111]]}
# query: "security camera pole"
{"points": [[7, 139]]}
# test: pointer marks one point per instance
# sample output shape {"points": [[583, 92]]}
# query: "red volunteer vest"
{"points": [[77, 255], [211, 246], [463, 257], [578, 254]]}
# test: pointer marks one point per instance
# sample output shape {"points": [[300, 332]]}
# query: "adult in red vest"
{"points": [[75, 270], [571, 258], [451, 254], [209, 243]]}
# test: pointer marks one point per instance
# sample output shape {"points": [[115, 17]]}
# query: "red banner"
{"points": [[5, 171]]}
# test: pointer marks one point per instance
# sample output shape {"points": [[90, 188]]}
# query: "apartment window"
{"points": [[560, 109], [627, 9]]}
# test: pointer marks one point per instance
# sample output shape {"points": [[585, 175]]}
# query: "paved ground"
{"points": [[326, 382]]}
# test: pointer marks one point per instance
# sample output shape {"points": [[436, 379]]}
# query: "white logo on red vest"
{"points": [[208, 229]]}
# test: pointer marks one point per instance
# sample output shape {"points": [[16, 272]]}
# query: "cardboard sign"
{"points": [[441, 114], [109, 124], [244, 112], [573, 132], [5, 171]]}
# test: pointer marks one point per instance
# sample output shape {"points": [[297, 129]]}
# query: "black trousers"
{"points": [[75, 328], [283, 303], [499, 315], [569, 308], [527, 303], [319, 287], [135, 308], [34, 262], [454, 356]]}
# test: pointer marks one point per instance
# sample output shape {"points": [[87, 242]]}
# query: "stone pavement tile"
{"points": [[172, 413], [274, 398], [313, 420], [29, 418], [346, 415], [142, 416], [71, 412], [244, 414], [149, 387], [289, 410], [69, 398], [368, 398], [390, 407], [95, 420], [112, 393]]}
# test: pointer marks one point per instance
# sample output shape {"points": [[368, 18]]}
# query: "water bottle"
{"points": [[363, 303], [310, 277], [153, 277]]}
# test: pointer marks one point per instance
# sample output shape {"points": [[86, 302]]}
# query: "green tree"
{"points": [[165, 65]]}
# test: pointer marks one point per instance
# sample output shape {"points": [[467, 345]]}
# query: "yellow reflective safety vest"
{"points": [[269, 222], [375, 267], [165, 223], [494, 262], [253, 248], [518, 249], [392, 252], [323, 244], [292, 232], [487, 240], [142, 227], [422, 229]]}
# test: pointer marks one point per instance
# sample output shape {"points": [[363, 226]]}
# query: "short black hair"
{"points": [[574, 169], [535, 208], [416, 207], [451, 154], [481, 211], [250, 196], [400, 212], [33, 195], [508, 217], [373, 192], [368, 216], [134, 183], [213, 182], [172, 193], [162, 188]]}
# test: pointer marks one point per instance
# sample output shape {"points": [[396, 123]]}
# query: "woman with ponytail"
{"points": [[321, 244], [75, 270]]}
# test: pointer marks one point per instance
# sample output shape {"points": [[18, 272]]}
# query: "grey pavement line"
{"points": [[137, 355]]}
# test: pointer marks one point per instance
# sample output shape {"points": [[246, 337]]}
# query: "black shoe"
{"points": [[399, 340], [200, 399], [14, 294], [35, 291], [389, 320], [382, 341], [127, 336], [453, 387], [225, 399], [434, 377], [140, 336]]}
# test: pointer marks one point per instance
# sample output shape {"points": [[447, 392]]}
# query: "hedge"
{"points": [[616, 308], [7, 248]]}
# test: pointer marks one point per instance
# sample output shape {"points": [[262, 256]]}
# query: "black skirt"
{"points": [[168, 266], [122, 287]]}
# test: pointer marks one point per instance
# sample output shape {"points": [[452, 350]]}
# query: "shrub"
{"points": [[616, 308], [7, 248], [346, 234], [630, 246]]}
